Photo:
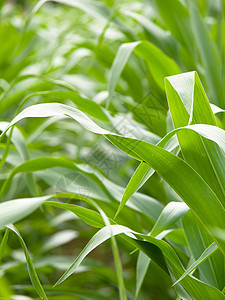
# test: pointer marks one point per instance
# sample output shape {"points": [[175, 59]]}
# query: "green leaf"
{"points": [[144, 172], [177, 19], [158, 36], [33, 275], [18, 140], [195, 287], [189, 104], [139, 202], [193, 106], [133, 184], [143, 263], [89, 216], [212, 270], [101, 236], [210, 57], [119, 63], [4, 243], [57, 109], [180, 176], [88, 106], [160, 65], [171, 213], [14, 210], [205, 255]]}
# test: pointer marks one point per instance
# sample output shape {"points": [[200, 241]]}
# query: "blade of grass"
{"points": [[32, 272], [205, 255]]}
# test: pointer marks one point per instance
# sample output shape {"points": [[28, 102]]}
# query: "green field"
{"points": [[112, 146]]}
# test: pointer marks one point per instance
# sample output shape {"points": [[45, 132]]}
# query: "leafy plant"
{"points": [[108, 134]]}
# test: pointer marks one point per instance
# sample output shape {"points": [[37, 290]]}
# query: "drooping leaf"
{"points": [[14, 210], [32, 272]]}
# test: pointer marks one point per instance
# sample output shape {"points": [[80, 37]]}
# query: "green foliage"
{"points": [[112, 147]]}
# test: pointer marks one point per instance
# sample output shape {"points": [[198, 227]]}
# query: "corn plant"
{"points": [[112, 181]]}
